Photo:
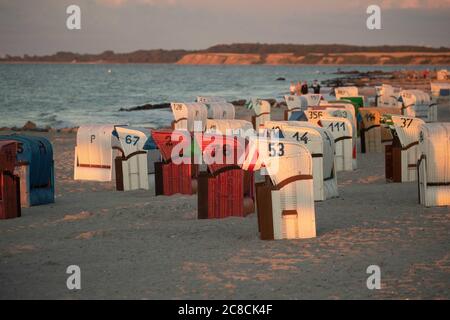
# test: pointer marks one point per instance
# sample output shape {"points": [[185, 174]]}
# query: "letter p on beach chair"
{"points": [[95, 152]]}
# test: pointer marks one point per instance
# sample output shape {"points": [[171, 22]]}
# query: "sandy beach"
{"points": [[133, 245]]}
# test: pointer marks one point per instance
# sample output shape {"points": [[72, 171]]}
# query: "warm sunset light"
{"points": [[231, 157]]}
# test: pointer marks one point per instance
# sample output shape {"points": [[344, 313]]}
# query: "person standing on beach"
{"points": [[292, 88], [298, 88], [304, 88], [316, 87]]}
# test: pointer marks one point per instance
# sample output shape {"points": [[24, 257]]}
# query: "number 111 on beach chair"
{"points": [[9, 182], [434, 165], [342, 132], [285, 201]]}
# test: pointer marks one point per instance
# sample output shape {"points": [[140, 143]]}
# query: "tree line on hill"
{"points": [[172, 56]]}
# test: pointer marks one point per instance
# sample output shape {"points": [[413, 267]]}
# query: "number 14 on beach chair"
{"points": [[373, 135]]}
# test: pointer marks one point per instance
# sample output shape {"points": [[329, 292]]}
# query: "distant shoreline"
{"points": [[255, 54], [224, 65]]}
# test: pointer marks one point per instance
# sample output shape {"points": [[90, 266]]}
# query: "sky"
{"points": [[39, 26]]}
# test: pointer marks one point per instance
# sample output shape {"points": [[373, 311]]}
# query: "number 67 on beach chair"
{"points": [[135, 166], [285, 201]]}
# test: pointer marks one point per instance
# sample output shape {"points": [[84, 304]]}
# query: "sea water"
{"points": [[68, 95]]}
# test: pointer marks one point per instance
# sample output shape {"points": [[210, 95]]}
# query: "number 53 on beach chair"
{"points": [[285, 200]]}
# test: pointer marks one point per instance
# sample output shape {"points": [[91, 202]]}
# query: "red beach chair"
{"points": [[9, 183], [172, 177], [224, 190]]}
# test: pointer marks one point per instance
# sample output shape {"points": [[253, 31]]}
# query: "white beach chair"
{"points": [[229, 127], [301, 103], [135, 167], [434, 165], [345, 92], [320, 144], [401, 157], [285, 202], [187, 114], [220, 110], [95, 153], [345, 110], [262, 113], [210, 99], [387, 96], [342, 131], [418, 104]]}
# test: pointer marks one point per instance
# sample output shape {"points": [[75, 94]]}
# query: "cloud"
{"points": [[279, 4], [118, 3], [415, 4]]}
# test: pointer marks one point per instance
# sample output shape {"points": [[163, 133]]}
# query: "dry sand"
{"points": [[135, 245]]}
